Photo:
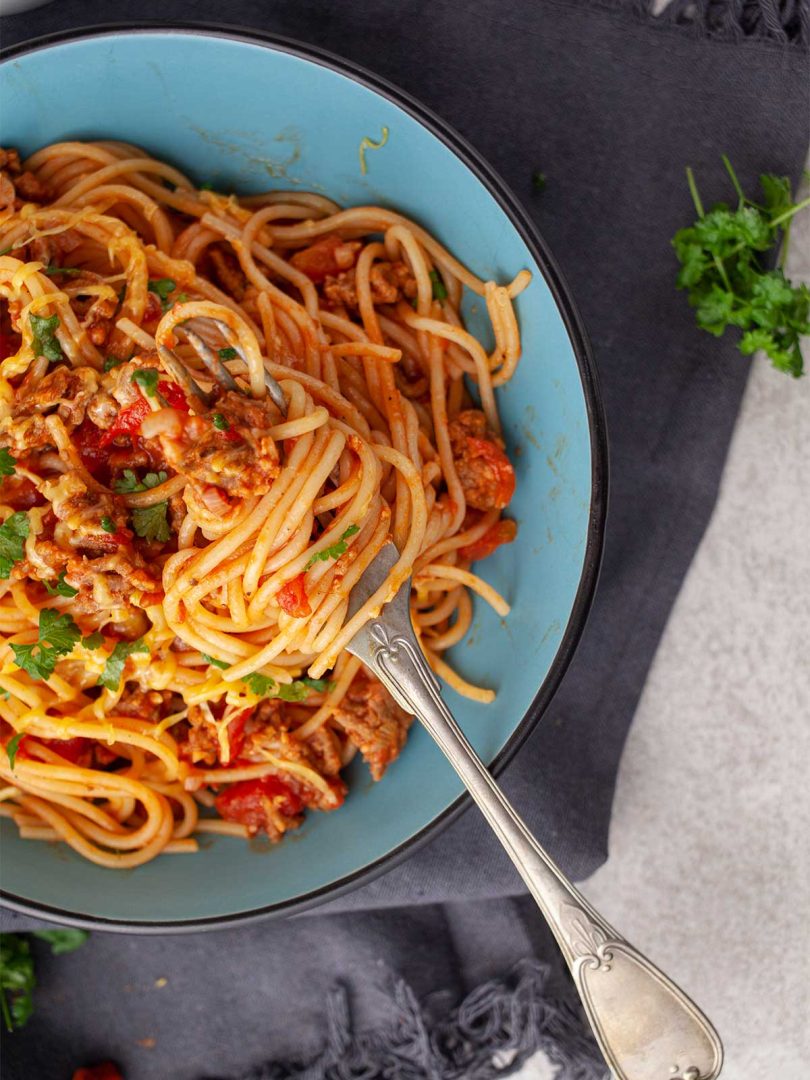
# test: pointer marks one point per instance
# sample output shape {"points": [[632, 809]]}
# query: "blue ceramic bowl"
{"points": [[248, 113]]}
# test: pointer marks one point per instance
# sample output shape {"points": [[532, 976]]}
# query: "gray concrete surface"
{"points": [[709, 867]]}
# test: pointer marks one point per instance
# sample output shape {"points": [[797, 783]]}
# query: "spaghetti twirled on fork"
{"points": [[175, 572]]}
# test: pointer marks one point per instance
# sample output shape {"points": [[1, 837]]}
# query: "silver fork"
{"points": [[198, 332], [647, 1028]]}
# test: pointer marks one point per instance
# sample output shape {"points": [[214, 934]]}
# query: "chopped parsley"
{"points": [[723, 256], [228, 354], [12, 746], [320, 686], [58, 633], [7, 463], [107, 524], [260, 685], [129, 482], [43, 332], [112, 362], [294, 691], [151, 522], [61, 588], [220, 423], [114, 667], [439, 288], [13, 533], [147, 379], [297, 690], [538, 182], [216, 663], [93, 641], [334, 551], [51, 270], [162, 287]]}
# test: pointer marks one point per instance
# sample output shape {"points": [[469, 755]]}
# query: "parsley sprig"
{"points": [[114, 667], [13, 534], [17, 976], [722, 268], [58, 633], [7, 463], [43, 334], [334, 551]]}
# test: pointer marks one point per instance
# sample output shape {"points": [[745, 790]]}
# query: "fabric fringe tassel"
{"points": [[493, 1031], [783, 21]]}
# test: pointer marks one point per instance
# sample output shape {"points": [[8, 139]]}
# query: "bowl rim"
{"points": [[520, 220]]}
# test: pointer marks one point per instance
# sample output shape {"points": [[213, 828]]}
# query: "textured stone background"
{"points": [[709, 866]]}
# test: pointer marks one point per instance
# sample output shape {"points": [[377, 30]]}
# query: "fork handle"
{"points": [[646, 1026]]}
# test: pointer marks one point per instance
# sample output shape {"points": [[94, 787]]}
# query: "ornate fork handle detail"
{"points": [[647, 1028]]}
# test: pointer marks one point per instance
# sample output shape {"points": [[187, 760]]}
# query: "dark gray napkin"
{"points": [[610, 103]]}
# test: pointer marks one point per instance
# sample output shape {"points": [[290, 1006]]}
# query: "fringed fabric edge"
{"points": [[782, 21], [492, 1032]]}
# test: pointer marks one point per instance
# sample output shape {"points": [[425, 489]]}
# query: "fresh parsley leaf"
{"points": [[17, 979], [12, 746], [93, 641], [51, 270], [320, 686], [58, 633], [114, 667], [61, 588], [107, 524], [228, 354], [260, 685], [129, 482], [182, 298], [43, 332], [294, 691], [334, 551], [151, 523], [220, 423], [147, 379], [13, 533], [7, 463], [439, 288], [162, 287], [62, 941], [723, 258], [112, 362], [538, 182], [216, 663]]}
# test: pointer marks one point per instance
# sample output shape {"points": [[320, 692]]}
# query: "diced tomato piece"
{"points": [[175, 398], [293, 599], [497, 465], [105, 1071], [9, 344], [249, 802], [19, 493], [502, 532], [236, 732], [78, 751], [127, 422], [88, 441], [153, 312], [319, 260]]}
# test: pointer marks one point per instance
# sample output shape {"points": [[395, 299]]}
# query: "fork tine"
{"points": [[211, 360], [178, 370], [273, 388]]}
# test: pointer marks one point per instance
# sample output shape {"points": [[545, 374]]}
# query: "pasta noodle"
{"points": [[176, 557]]}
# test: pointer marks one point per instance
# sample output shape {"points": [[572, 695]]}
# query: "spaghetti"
{"points": [[175, 574]]}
